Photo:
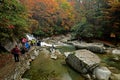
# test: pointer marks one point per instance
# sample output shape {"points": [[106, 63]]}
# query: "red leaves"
{"points": [[11, 27]]}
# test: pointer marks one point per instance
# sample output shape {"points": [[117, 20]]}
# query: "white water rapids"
{"points": [[30, 37]]}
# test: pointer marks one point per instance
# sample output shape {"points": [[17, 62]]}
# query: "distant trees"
{"points": [[53, 16], [111, 19], [99, 18], [89, 24]]}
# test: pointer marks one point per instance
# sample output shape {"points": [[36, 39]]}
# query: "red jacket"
{"points": [[15, 50]]}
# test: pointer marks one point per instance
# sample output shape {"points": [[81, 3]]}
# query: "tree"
{"points": [[111, 19], [51, 15], [90, 17], [12, 19]]}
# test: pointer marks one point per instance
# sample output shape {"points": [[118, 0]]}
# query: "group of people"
{"points": [[16, 51]]}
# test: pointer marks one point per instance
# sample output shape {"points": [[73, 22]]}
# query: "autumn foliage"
{"points": [[51, 14], [87, 18]]}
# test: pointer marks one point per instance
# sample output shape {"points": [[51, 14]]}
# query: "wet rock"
{"points": [[102, 73], [116, 51], [94, 47], [67, 53], [83, 61]]}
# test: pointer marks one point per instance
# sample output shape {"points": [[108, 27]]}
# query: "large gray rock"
{"points": [[102, 73], [83, 61], [94, 47], [116, 51]]}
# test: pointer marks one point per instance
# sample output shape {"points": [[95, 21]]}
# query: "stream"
{"points": [[45, 68]]}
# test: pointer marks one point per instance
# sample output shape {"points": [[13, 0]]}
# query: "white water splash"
{"points": [[30, 37]]}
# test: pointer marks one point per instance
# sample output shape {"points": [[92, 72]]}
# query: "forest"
{"points": [[87, 19]]}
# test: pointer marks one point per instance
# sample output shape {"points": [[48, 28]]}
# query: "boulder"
{"points": [[94, 47], [116, 51], [83, 61], [102, 73], [67, 53]]}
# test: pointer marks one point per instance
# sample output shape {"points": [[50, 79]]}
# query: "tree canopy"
{"points": [[85, 18]]}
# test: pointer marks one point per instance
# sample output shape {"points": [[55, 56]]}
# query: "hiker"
{"points": [[24, 40], [27, 46], [52, 48], [23, 49], [39, 43], [16, 51]]}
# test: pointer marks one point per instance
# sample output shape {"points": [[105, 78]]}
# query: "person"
{"points": [[27, 46], [52, 48], [15, 51], [39, 43], [24, 40], [23, 50]]}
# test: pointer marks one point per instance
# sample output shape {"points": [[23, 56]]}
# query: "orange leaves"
{"points": [[72, 3], [49, 5], [50, 13]]}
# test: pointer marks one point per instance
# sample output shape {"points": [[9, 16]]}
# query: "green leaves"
{"points": [[12, 16]]}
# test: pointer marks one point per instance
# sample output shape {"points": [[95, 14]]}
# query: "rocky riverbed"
{"points": [[40, 65]]}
